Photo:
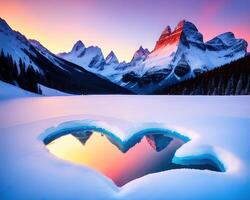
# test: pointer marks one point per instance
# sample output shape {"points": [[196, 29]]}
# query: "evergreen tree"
{"points": [[230, 79]]}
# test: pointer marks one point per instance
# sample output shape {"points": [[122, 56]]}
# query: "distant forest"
{"points": [[229, 79]]}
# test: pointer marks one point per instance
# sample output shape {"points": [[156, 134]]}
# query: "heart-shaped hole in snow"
{"points": [[150, 153]]}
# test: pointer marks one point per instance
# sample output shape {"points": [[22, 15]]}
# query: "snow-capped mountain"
{"points": [[91, 57], [111, 58], [182, 53], [178, 54], [140, 55], [16, 45], [27, 64]]}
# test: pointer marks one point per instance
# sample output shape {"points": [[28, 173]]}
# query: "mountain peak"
{"points": [[140, 48], [180, 25], [184, 31], [111, 58], [3, 22], [78, 45], [4, 25], [140, 53], [227, 35], [112, 53], [167, 31]]}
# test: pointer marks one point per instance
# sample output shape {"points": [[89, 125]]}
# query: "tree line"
{"points": [[19, 74], [229, 79]]}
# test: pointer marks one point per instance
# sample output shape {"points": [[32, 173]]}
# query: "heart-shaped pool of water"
{"points": [[152, 153]]}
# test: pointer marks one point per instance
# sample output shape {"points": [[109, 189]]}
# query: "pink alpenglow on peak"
{"points": [[168, 38], [180, 25], [166, 33]]}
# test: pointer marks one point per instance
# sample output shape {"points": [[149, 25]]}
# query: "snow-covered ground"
{"points": [[219, 125], [10, 91], [46, 91]]}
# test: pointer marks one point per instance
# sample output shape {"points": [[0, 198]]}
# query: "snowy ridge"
{"points": [[91, 57], [177, 55], [16, 45]]}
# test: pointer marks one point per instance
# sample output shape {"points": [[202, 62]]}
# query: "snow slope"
{"points": [[46, 91], [10, 91], [29, 171], [16, 45]]}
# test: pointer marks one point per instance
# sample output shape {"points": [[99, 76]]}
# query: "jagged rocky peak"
{"points": [[180, 25], [191, 32], [225, 41], [165, 33], [185, 25], [140, 54], [78, 45], [187, 33], [142, 51], [93, 51], [111, 58], [184, 31], [168, 38]]}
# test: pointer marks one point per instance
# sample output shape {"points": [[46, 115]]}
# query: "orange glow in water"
{"points": [[100, 154]]}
